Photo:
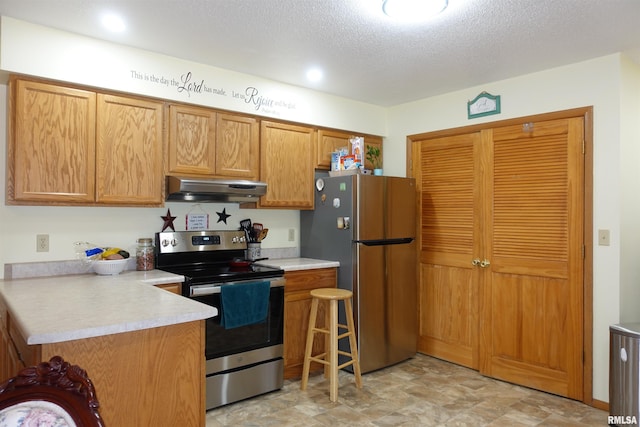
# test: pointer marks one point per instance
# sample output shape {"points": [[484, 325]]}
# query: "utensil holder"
{"points": [[253, 251]]}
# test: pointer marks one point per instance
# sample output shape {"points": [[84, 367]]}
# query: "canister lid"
{"points": [[145, 241]]}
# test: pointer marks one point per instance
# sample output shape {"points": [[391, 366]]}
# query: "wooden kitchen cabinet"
{"points": [[192, 132], [286, 165], [328, 142], [332, 140], [203, 142], [237, 146], [69, 146], [51, 146], [175, 288], [140, 377], [15, 354], [297, 305], [129, 151]]}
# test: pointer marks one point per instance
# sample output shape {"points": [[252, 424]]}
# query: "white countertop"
{"points": [[290, 264], [64, 308]]}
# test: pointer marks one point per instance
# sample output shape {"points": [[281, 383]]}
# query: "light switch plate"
{"points": [[603, 238]]}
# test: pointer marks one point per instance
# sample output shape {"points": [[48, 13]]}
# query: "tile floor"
{"points": [[420, 392]]}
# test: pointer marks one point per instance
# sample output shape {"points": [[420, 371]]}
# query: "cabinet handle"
{"points": [[485, 263], [475, 262]]}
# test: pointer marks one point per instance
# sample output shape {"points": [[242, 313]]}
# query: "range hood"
{"points": [[213, 190]]}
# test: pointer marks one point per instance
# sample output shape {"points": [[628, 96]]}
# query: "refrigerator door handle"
{"points": [[383, 242]]}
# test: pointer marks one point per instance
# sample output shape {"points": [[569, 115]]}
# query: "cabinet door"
{"points": [[286, 164], [237, 146], [328, 142], [129, 151], [297, 306], [175, 288], [51, 156], [192, 133]]}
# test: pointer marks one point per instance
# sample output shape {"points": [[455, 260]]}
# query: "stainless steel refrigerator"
{"points": [[368, 224]]}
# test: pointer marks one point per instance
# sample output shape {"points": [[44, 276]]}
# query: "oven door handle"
{"points": [[209, 290], [197, 291]]}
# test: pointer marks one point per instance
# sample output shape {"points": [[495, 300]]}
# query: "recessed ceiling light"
{"points": [[413, 9], [314, 75], [113, 22]]}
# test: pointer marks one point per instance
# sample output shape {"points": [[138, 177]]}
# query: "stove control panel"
{"points": [[206, 240]]}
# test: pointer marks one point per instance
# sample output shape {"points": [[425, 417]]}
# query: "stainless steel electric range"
{"points": [[241, 361]]}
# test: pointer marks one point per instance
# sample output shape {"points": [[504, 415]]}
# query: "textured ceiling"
{"points": [[365, 55]]}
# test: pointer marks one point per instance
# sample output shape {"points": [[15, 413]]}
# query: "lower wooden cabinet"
{"points": [[297, 305], [175, 288], [15, 354], [148, 377]]}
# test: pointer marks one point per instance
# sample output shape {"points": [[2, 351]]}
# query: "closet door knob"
{"points": [[485, 263], [475, 262]]}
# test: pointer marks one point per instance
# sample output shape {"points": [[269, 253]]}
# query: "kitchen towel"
{"points": [[244, 304]]}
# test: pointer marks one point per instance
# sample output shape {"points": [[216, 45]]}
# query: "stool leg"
{"points": [[327, 338], [352, 343], [309, 345], [333, 351]]}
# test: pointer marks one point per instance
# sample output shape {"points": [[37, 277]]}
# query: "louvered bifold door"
{"points": [[449, 237], [532, 298]]}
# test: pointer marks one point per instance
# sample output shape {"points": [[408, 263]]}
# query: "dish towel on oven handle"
{"points": [[244, 304]]}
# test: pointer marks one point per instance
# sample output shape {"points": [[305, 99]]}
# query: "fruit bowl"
{"points": [[109, 267]]}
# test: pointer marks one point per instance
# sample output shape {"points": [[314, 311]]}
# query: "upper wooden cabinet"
{"points": [[69, 146], [286, 165], [328, 142], [332, 140], [129, 151], [205, 143], [192, 133], [51, 147]]}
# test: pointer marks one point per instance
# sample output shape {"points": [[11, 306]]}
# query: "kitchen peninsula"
{"points": [[141, 345]]}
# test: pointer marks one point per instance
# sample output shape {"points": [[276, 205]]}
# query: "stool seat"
{"points": [[332, 333], [331, 294]]}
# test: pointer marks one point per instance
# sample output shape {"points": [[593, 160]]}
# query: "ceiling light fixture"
{"points": [[413, 9], [314, 75], [113, 22]]}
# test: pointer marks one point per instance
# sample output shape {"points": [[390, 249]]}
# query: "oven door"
{"points": [[221, 341]]}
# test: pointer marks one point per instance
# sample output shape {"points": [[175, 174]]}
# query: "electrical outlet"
{"points": [[292, 234], [42, 243]]}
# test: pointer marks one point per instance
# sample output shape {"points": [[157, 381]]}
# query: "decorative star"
{"points": [[222, 216], [168, 221]]}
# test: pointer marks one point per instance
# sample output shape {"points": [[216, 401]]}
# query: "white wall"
{"points": [[630, 192], [594, 83]]}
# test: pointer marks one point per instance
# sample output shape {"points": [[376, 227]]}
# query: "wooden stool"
{"points": [[330, 357]]}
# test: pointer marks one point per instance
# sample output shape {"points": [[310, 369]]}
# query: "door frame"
{"points": [[587, 114]]}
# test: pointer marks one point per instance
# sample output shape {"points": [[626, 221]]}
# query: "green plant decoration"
{"points": [[373, 155]]}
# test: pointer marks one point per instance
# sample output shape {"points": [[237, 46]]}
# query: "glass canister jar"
{"points": [[145, 258]]}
